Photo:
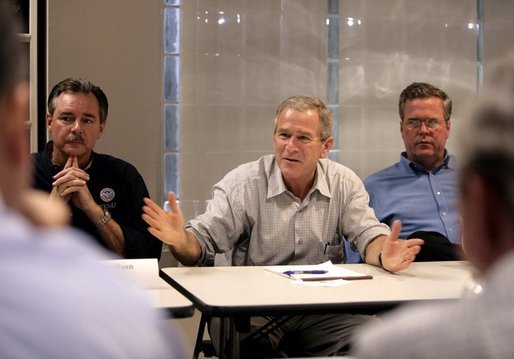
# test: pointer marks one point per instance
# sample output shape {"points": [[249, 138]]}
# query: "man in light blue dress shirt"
{"points": [[421, 189]]}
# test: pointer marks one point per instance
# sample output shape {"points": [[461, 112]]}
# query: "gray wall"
{"points": [[117, 45], [227, 101]]}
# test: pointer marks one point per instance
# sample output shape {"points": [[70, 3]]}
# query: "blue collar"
{"points": [[448, 162]]}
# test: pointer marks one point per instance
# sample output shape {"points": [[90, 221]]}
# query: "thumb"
{"points": [[75, 161], [395, 230], [69, 162], [172, 199]]}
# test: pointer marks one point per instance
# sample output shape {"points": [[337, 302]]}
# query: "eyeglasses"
{"points": [[413, 123]]}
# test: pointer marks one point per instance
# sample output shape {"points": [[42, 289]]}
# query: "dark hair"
{"points": [[424, 90], [304, 103], [73, 84], [12, 61]]}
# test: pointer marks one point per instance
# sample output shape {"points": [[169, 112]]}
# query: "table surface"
{"points": [[168, 298], [228, 291], [144, 274]]}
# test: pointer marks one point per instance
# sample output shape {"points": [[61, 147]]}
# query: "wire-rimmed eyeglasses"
{"points": [[414, 123]]}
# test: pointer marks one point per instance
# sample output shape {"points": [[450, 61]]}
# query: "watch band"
{"points": [[106, 218]]}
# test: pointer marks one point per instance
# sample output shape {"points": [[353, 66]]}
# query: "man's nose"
{"points": [[77, 126], [291, 142], [423, 127]]}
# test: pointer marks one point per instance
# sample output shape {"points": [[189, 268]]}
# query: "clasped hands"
{"points": [[71, 184]]}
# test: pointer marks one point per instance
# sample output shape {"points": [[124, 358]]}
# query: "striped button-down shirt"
{"points": [[253, 214]]}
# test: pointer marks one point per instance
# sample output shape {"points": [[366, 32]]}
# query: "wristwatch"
{"points": [[106, 218]]}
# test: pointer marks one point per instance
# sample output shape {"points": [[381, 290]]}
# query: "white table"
{"points": [[239, 292], [144, 273], [169, 299]]}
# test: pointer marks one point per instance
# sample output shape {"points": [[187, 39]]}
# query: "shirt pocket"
{"points": [[334, 252]]}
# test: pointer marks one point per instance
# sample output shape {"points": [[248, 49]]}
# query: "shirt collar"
{"points": [[276, 182], [447, 162], [277, 185], [321, 180]]}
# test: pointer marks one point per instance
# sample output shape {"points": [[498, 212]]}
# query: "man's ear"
{"points": [[490, 220], [49, 122], [15, 125], [496, 221], [14, 145], [102, 129], [327, 146]]}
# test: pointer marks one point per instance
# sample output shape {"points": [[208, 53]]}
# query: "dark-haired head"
{"points": [[74, 84]]}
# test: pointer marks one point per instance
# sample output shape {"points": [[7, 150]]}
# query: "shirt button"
{"points": [[438, 193], [444, 213], [300, 241]]}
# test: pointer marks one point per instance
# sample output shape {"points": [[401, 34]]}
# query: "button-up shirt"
{"points": [[423, 200], [253, 214]]}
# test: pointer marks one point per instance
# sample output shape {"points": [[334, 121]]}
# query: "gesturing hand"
{"points": [[397, 254], [167, 226]]}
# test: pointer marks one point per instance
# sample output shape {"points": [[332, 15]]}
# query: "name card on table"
{"points": [[142, 272]]}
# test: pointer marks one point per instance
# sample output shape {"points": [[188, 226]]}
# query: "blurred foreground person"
{"points": [[478, 326], [56, 298]]}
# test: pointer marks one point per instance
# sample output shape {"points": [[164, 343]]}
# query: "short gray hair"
{"points": [[304, 103]]}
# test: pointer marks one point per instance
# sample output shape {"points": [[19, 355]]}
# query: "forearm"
{"points": [[113, 237], [373, 250], [110, 231]]}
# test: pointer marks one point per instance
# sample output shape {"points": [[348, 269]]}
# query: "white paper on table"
{"points": [[332, 272]]}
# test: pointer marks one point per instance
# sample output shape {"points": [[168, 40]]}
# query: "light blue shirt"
{"points": [[422, 200], [57, 300]]}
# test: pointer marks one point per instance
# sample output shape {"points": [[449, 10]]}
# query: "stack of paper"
{"points": [[320, 272]]}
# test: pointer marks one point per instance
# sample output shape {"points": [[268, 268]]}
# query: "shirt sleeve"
{"points": [[224, 222], [360, 224]]}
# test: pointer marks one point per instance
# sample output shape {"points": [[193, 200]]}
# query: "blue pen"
{"points": [[315, 271]]}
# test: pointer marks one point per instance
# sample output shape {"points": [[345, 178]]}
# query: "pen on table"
{"points": [[315, 271]]}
